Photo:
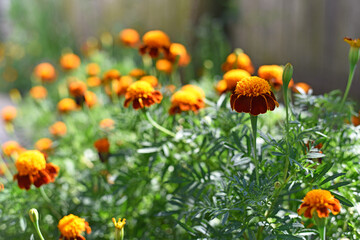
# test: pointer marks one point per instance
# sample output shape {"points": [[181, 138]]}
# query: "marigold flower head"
{"points": [[150, 79], [352, 42], [119, 224], [129, 37], [38, 92], [33, 169], [66, 105], [77, 88], [154, 42], [273, 74], [320, 201], [11, 147], [71, 227], [164, 65], [195, 89], [221, 86], [142, 94], [182, 101], [107, 124], [179, 50], [44, 144], [92, 69], [90, 99], [70, 61], [93, 81], [58, 129], [253, 95], [8, 113], [238, 61], [301, 87], [137, 73], [233, 76], [102, 145], [110, 75], [45, 72]]}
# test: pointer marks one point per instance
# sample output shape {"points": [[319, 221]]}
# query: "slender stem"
{"points": [[5, 169], [287, 129], [156, 125], [321, 224], [37, 228], [348, 86], [254, 133], [117, 234]]}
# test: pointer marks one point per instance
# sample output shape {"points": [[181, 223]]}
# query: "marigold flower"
{"points": [[301, 87], [70, 61], [66, 105], [107, 124], [142, 94], [240, 61], [179, 50], [164, 65], [155, 42], [44, 144], [319, 200], [1, 185], [90, 99], [150, 79], [58, 129], [77, 88], [353, 42], [119, 224], [71, 227], [38, 92], [33, 169], [253, 95], [129, 37], [8, 113], [273, 74], [137, 73], [195, 89], [221, 86], [92, 69], [103, 147], [93, 81], [233, 76], [110, 75], [45, 72], [119, 86], [11, 147], [183, 101]]}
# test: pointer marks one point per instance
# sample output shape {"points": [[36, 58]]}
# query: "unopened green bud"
{"points": [[287, 75], [354, 54], [238, 51], [277, 185], [34, 215]]}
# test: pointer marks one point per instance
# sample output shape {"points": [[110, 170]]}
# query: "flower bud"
{"points": [[34, 215], [277, 185], [287, 75]]}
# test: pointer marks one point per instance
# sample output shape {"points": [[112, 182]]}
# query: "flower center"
{"points": [[252, 87], [140, 89], [30, 162], [71, 226]]}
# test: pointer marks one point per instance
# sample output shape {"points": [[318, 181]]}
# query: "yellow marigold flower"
{"points": [[119, 224], [129, 37], [319, 200], [8, 113], [44, 144], [301, 86], [93, 81], [195, 89], [164, 65], [179, 50], [11, 147], [33, 169], [70, 61], [240, 61], [38, 92], [111, 75], [273, 74], [71, 227], [137, 73], [142, 94], [155, 42], [107, 124], [183, 101], [58, 129], [77, 88], [353, 42], [66, 105], [150, 79], [233, 76], [92, 69], [221, 86], [253, 95], [45, 72], [90, 99]]}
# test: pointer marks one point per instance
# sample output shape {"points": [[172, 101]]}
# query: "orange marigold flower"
{"points": [[110, 75], [233, 76], [11, 147], [33, 169], [8, 113], [107, 124], [164, 65], [93, 81], [221, 86], [301, 87], [92, 69], [142, 94], [273, 74], [319, 200], [71, 227], [77, 88], [195, 89], [102, 145], [253, 95], [240, 61], [66, 105], [90, 99], [70, 61], [129, 37], [45, 72], [137, 73], [150, 79], [119, 86], [58, 129], [44, 144], [154, 42], [179, 50], [183, 101], [38, 92], [352, 42]]}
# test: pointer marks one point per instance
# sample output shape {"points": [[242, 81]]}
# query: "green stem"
{"points": [[287, 129], [348, 86], [254, 133], [321, 224], [117, 234], [37, 228], [156, 125]]}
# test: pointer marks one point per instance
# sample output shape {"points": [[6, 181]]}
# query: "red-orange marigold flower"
{"points": [[77, 88], [183, 101], [233, 76], [110, 75], [45, 72], [70, 61], [33, 169], [102, 145], [320, 201], [150, 79], [142, 94], [273, 74], [240, 61], [129, 37], [8, 113], [164, 65], [66, 105], [71, 227], [155, 42], [301, 87], [137, 73], [44, 144], [92, 69], [38, 92], [253, 95], [58, 129], [179, 50]]}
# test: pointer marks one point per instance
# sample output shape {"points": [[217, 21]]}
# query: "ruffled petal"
{"points": [[243, 104], [258, 105]]}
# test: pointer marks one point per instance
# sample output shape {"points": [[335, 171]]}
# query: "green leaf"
{"points": [[321, 171], [343, 200], [328, 179], [289, 237], [337, 185]]}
